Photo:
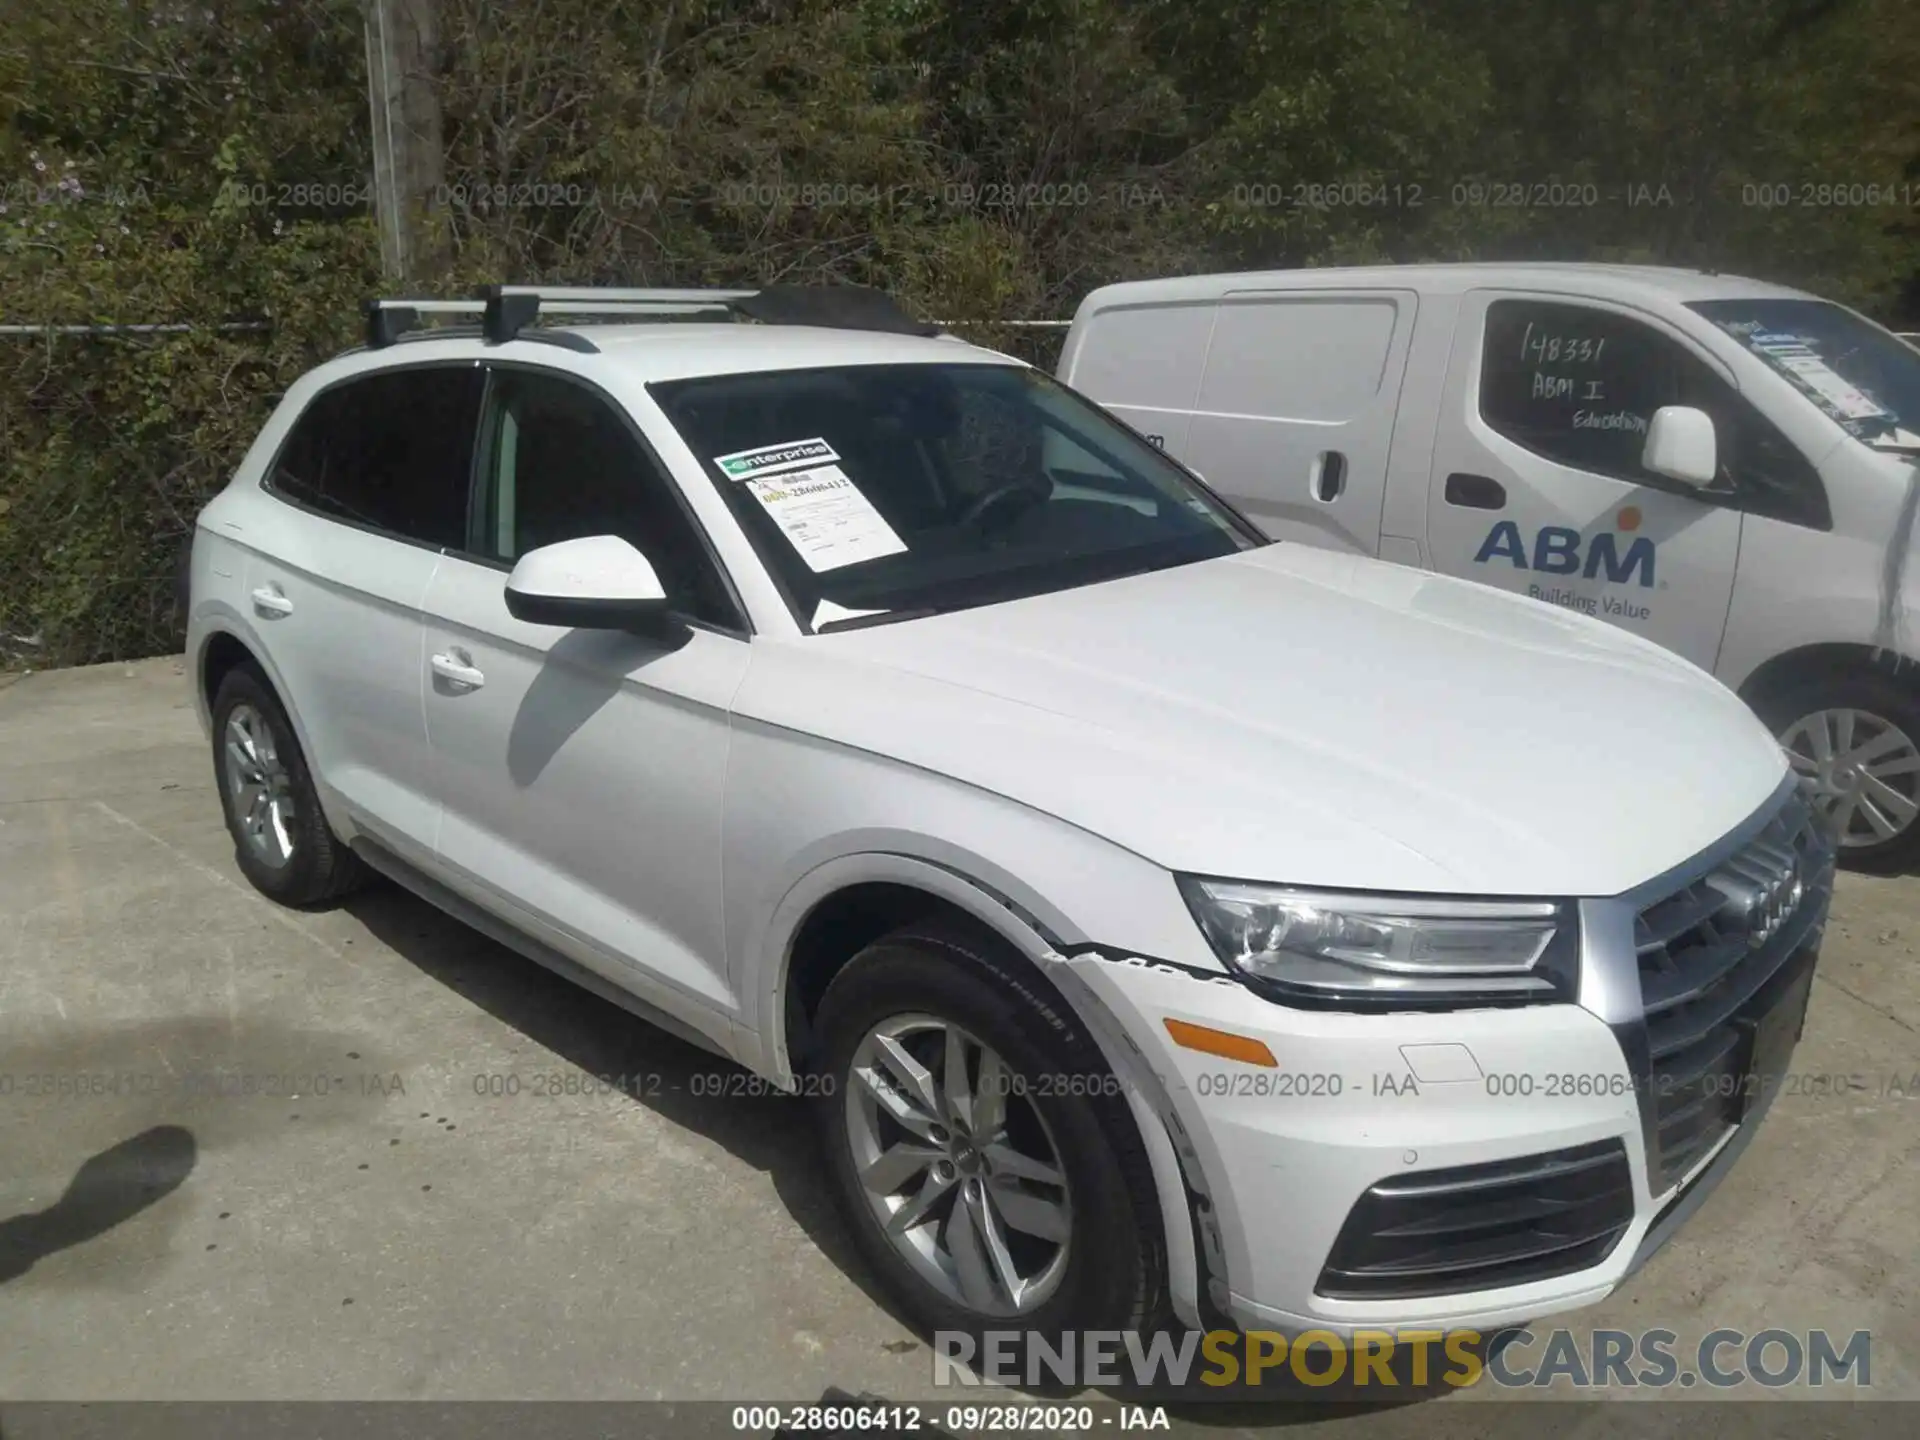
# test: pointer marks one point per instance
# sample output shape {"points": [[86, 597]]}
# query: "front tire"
{"points": [[281, 840], [979, 1149], [1854, 739]]}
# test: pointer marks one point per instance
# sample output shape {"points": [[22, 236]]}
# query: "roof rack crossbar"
{"points": [[431, 307], [598, 295], [511, 308], [630, 307], [506, 310]]}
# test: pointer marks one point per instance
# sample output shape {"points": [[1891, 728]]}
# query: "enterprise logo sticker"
{"points": [[772, 459]]}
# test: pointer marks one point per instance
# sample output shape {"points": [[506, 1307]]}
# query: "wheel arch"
{"points": [[1809, 663], [841, 907], [222, 647], [222, 653], [1882, 683]]}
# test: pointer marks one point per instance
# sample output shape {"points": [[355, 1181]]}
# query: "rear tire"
{"points": [[1854, 737], [281, 839], [1089, 1250]]}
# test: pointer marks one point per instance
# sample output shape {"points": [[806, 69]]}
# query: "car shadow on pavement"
{"points": [[107, 1190], [671, 1077]]}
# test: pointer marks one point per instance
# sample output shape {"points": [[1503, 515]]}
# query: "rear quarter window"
{"points": [[390, 451]]}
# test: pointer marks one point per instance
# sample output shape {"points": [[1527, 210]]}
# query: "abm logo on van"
{"points": [[1557, 550]]}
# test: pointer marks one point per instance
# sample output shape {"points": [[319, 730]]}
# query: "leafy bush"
{"points": [[984, 159]]}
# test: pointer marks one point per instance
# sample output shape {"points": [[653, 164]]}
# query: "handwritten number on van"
{"points": [[1573, 349]]}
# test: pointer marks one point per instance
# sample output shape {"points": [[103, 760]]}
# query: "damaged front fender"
{"points": [[1197, 1274]]}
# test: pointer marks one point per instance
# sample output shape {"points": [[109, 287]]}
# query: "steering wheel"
{"points": [[1010, 500]]}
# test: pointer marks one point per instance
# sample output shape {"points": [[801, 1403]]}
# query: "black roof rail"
{"points": [[505, 311], [388, 320], [837, 307]]}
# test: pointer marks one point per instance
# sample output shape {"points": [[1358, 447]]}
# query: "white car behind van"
{"points": [[1724, 466]]}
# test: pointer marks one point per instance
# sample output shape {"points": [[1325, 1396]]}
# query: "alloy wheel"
{"points": [[1861, 772], [957, 1166], [259, 789]]}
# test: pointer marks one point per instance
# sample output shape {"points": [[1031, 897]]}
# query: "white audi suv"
{"points": [[1163, 923]]}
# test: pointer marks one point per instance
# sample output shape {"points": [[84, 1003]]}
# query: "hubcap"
{"points": [[259, 789], [958, 1168], [1862, 773]]}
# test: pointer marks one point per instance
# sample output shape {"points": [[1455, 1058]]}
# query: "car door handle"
{"points": [[1329, 476], [1475, 492], [456, 667], [269, 600]]}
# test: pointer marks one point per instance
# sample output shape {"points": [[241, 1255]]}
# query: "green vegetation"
{"points": [[983, 159]]}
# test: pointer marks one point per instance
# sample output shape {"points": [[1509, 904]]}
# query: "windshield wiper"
{"points": [[878, 617]]}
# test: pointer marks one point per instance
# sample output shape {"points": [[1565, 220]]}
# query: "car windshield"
{"points": [[880, 492], [1864, 378]]}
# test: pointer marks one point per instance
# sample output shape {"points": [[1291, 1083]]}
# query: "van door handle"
{"points": [[271, 600], [456, 667], [1475, 492], [1329, 476]]}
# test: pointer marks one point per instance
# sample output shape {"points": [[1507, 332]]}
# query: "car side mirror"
{"points": [[1681, 446], [598, 582]]}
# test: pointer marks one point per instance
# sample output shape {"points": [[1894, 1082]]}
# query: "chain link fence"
{"points": [[112, 436]]}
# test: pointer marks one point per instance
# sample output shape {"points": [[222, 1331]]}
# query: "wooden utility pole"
{"points": [[409, 164]]}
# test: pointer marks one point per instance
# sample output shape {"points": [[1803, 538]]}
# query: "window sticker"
{"points": [[1793, 354], [825, 517], [774, 459]]}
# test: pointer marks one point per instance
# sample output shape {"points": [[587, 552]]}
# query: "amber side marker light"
{"points": [[1220, 1042]]}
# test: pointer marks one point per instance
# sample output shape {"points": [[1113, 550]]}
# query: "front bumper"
{"points": [[1365, 1098], [1280, 1158]]}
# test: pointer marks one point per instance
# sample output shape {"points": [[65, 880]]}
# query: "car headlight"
{"points": [[1386, 951]]}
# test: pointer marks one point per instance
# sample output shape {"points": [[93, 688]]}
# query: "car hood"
{"points": [[1294, 715]]}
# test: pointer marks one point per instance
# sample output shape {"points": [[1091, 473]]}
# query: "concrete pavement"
{"points": [[424, 1194]]}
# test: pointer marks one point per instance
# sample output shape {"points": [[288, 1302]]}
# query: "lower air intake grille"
{"points": [[1478, 1227]]}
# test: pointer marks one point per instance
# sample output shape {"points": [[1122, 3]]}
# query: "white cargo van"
{"points": [[1724, 466]]}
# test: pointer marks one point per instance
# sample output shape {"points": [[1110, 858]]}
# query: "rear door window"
{"points": [[390, 451]]}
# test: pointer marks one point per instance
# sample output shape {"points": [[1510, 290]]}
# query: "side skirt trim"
{"points": [[409, 877]]}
